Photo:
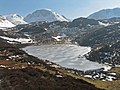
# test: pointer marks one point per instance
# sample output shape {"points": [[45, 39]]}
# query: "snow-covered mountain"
{"points": [[105, 14], [4, 23], [44, 15], [15, 19]]}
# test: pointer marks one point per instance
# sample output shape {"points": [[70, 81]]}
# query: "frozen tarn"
{"points": [[65, 55]]}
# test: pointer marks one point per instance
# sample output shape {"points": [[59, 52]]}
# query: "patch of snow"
{"points": [[48, 63], [104, 24], [117, 65], [112, 74], [7, 59], [106, 68], [23, 67], [88, 76], [58, 38], [3, 66], [59, 76], [55, 66], [116, 22], [46, 29], [110, 78], [21, 40], [29, 63], [13, 56]]}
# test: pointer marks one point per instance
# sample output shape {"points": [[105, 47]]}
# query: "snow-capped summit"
{"points": [[4, 23], [44, 15], [15, 19]]}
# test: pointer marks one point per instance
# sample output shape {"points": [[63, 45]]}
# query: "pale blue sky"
{"points": [[69, 8]]}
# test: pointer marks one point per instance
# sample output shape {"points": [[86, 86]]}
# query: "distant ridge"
{"points": [[105, 14]]}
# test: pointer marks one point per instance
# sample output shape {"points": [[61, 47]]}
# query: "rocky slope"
{"points": [[107, 54], [104, 36]]}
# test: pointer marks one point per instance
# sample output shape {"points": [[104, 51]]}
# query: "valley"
{"points": [[47, 48]]}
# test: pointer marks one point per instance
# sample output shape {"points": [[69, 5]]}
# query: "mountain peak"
{"points": [[45, 9], [44, 15], [15, 19], [4, 23], [105, 14]]}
